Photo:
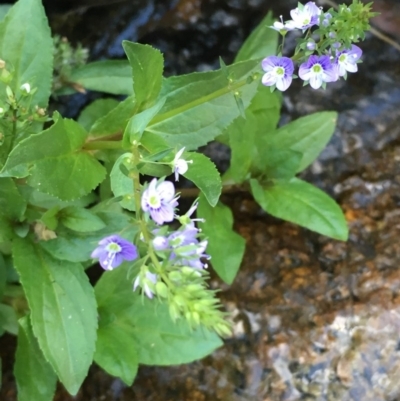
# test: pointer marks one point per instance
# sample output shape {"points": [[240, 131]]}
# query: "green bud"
{"points": [[161, 289]]}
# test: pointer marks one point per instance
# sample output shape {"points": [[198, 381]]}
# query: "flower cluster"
{"points": [[174, 265], [326, 53]]}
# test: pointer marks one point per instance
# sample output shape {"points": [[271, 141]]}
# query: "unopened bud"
{"points": [[161, 289], [26, 88], [2, 64]]}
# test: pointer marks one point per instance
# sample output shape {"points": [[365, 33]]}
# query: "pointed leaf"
{"points": [[225, 246], [302, 203], [116, 353], [307, 135], [12, 204], [26, 45], [203, 173], [147, 68], [63, 311], [36, 380]]}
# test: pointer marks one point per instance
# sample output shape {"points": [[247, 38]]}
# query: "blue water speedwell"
{"points": [[278, 71], [347, 60], [113, 250], [318, 70], [146, 282], [158, 200], [306, 16]]}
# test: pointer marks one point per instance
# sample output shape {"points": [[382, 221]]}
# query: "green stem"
{"points": [[139, 215], [97, 145]]}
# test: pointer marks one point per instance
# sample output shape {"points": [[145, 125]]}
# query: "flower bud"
{"points": [[161, 289], [25, 88], [2, 64]]}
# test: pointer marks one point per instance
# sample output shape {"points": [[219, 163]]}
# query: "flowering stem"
{"points": [[139, 215]]}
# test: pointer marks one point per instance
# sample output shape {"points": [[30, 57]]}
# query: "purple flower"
{"points": [[347, 60], [317, 70], [146, 282], [159, 201], [278, 71], [113, 250], [306, 16]]}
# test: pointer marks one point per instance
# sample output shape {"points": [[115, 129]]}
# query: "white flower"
{"points": [[26, 88], [180, 166]]}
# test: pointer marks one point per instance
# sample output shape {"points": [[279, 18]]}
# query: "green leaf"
{"points": [[307, 135], [27, 47], [55, 162], [8, 319], [49, 218], [109, 76], [138, 123], [262, 42], [77, 247], [147, 68], [276, 163], [121, 185], [225, 246], [63, 311], [303, 204], [3, 275], [115, 121], [80, 219], [4, 9], [203, 173], [12, 204], [158, 340], [200, 106], [116, 353], [36, 380], [96, 110]]}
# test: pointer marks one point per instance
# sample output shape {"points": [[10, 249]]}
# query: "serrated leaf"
{"points": [[19, 39], [165, 342], [95, 111], [109, 76], [116, 353], [80, 219], [307, 135], [203, 173], [200, 106], [55, 162], [302, 203], [114, 122], [63, 311], [36, 380], [225, 246], [147, 68]]}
